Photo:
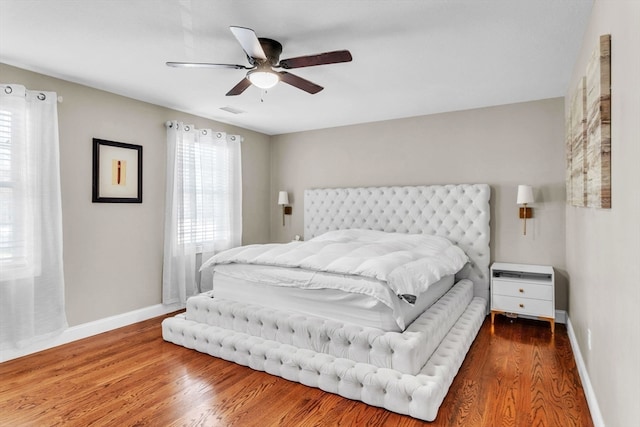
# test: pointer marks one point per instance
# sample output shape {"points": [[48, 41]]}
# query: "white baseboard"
{"points": [[88, 329], [596, 415]]}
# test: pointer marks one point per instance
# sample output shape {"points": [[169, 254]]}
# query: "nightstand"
{"points": [[523, 289]]}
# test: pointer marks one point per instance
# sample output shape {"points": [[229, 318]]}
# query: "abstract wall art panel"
{"points": [[588, 133]]}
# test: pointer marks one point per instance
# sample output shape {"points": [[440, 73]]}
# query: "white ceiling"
{"points": [[410, 58]]}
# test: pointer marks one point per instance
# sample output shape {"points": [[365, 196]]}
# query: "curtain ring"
{"points": [[204, 131], [218, 135], [233, 138], [187, 128], [42, 96], [8, 89]]}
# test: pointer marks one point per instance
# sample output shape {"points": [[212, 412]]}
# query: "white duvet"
{"points": [[407, 263]]}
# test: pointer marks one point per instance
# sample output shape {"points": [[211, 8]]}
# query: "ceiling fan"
{"points": [[264, 56]]}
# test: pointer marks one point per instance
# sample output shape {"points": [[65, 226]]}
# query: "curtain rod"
{"points": [[169, 124], [41, 96]]}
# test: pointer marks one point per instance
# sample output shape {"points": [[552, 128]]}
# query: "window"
{"points": [[7, 181], [204, 204], [205, 216], [31, 268], [16, 230]]}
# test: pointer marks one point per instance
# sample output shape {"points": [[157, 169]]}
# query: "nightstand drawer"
{"points": [[522, 289], [533, 307]]}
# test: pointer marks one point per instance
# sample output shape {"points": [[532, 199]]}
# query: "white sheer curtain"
{"points": [[31, 273], [203, 211]]}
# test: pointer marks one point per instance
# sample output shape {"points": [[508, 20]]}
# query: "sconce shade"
{"points": [[283, 198], [525, 194]]}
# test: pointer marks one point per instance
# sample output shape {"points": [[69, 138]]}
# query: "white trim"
{"points": [[596, 415], [89, 329]]}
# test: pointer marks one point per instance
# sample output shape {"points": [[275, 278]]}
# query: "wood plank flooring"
{"points": [[516, 374]]}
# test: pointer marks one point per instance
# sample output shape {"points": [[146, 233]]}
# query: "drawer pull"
{"points": [[521, 290], [521, 305]]}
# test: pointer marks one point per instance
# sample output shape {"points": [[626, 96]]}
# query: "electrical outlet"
{"points": [[589, 338]]}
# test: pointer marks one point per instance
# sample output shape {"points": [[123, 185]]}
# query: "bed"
{"points": [[406, 367]]}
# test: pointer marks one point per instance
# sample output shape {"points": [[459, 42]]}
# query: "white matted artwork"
{"points": [[117, 172]]}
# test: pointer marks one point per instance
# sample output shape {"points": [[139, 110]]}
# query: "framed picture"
{"points": [[117, 172]]}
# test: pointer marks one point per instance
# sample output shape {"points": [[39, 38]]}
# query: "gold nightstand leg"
{"points": [[551, 321]]}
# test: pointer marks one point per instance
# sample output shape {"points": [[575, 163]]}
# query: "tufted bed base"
{"points": [[406, 352], [408, 373], [418, 396]]}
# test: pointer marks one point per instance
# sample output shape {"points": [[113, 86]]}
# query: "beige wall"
{"points": [[502, 146], [113, 252], [603, 245]]}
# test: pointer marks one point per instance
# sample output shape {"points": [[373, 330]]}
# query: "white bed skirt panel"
{"points": [[236, 282]]}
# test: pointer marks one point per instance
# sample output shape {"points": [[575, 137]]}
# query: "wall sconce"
{"points": [[283, 200], [525, 196]]}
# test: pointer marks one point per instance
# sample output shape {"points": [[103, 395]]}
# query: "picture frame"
{"points": [[117, 172]]}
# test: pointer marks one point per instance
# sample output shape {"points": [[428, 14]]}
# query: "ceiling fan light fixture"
{"points": [[263, 79]]}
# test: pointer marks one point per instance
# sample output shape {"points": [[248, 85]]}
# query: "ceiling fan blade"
{"points": [[319, 59], [299, 82], [249, 42], [240, 87], [205, 65]]}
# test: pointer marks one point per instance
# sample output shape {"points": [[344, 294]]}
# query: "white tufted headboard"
{"points": [[458, 212]]}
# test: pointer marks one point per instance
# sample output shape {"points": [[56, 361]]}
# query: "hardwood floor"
{"points": [[516, 374]]}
